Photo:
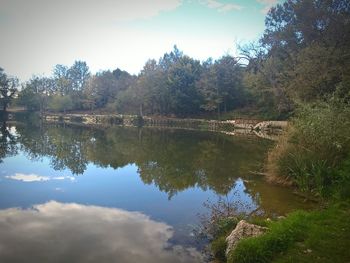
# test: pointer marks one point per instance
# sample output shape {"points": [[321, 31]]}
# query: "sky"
{"points": [[107, 34]]}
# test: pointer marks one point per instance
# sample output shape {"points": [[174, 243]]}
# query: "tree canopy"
{"points": [[302, 56]]}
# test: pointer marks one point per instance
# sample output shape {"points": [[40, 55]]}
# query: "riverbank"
{"points": [[264, 129], [313, 155], [131, 120], [322, 235]]}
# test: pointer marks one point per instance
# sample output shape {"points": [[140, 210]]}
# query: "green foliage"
{"points": [[28, 98], [218, 248], [225, 225], [342, 190], [8, 88], [302, 56], [318, 236], [221, 85], [176, 84], [280, 236], [316, 146], [60, 103]]}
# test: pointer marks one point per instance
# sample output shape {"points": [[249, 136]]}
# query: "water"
{"points": [[70, 193]]}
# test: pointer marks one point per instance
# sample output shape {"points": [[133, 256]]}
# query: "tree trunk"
{"points": [[218, 111], [141, 110]]}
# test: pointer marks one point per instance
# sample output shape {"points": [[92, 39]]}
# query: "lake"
{"points": [[75, 193]]}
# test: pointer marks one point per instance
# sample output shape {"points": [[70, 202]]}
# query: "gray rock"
{"points": [[242, 230]]}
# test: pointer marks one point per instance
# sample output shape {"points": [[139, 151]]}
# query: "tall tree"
{"points": [[62, 80], [221, 85], [78, 74], [37, 91], [304, 52], [8, 88]]}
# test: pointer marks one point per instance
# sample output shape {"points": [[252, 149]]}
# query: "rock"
{"points": [[242, 230], [307, 251]]}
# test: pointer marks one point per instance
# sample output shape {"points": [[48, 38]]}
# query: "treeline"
{"points": [[303, 56], [176, 84]]}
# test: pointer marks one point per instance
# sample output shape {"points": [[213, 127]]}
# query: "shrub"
{"points": [[315, 146], [77, 119], [279, 238], [60, 103], [218, 248]]}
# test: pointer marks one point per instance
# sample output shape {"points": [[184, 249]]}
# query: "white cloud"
{"points": [[37, 178], [80, 233], [213, 4], [229, 7], [267, 5], [221, 7]]}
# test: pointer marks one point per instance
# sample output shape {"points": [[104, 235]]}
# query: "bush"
{"points": [[279, 238], [314, 148], [60, 103], [77, 119], [138, 121], [218, 248]]}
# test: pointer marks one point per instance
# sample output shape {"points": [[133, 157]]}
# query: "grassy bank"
{"points": [[314, 153], [317, 236], [314, 156]]}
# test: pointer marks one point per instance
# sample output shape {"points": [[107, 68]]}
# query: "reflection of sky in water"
{"points": [[37, 178], [35, 182], [57, 232], [106, 213]]}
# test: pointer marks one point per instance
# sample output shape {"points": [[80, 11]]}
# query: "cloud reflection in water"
{"points": [[36, 178], [58, 232]]}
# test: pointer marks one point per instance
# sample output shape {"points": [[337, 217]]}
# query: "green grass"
{"points": [[218, 248], [318, 236], [280, 237], [328, 238]]}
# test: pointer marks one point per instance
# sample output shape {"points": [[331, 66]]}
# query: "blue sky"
{"points": [[107, 34]]}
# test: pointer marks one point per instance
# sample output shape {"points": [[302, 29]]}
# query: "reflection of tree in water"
{"points": [[224, 213], [8, 141], [64, 147], [172, 160]]}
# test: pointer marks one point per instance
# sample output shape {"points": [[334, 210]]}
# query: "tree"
{"points": [[221, 85], [151, 89], [303, 55], [62, 80], [208, 87], [37, 90], [78, 74], [103, 89], [310, 39], [60, 103], [8, 88], [182, 77]]}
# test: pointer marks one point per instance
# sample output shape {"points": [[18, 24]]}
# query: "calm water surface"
{"points": [[81, 194]]}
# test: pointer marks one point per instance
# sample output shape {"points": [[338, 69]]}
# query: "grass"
{"points": [[314, 149], [318, 236], [314, 155], [327, 239]]}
